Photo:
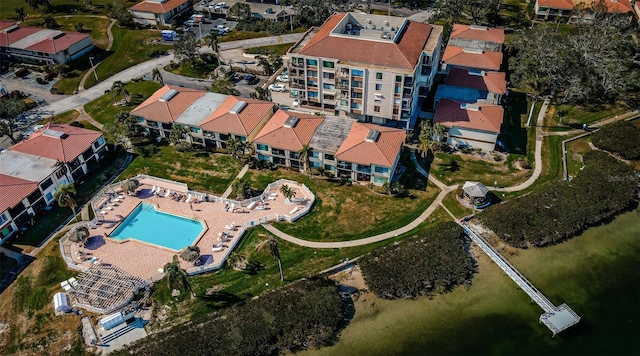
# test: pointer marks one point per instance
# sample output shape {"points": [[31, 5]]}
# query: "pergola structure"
{"points": [[104, 289], [477, 194]]}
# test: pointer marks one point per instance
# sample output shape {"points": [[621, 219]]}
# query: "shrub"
{"points": [[604, 188], [621, 137], [435, 261], [304, 314]]}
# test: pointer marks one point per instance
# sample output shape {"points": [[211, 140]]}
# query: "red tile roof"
{"points": [[403, 54], [241, 123], [276, 135], [13, 190], [157, 7], [556, 4], [53, 42], [457, 56], [155, 109], [495, 82], [481, 33], [66, 148], [484, 118], [382, 152]]}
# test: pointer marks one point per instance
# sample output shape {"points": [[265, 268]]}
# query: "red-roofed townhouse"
{"points": [[370, 153], [474, 47], [368, 67], [158, 12], [473, 86], [32, 170], [470, 125], [576, 11], [283, 137], [41, 46]]}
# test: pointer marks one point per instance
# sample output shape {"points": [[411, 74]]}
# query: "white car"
{"points": [[222, 28], [296, 103], [278, 87], [283, 78]]}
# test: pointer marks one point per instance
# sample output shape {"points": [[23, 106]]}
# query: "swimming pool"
{"points": [[146, 224]]}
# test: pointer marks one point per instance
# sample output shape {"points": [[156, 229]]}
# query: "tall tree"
{"points": [[240, 188], [64, 197], [186, 48], [177, 133], [304, 154], [9, 111], [263, 62], [222, 84], [261, 94], [157, 76], [478, 11], [241, 12], [212, 41], [117, 88], [35, 4], [287, 192], [79, 27], [20, 14], [272, 245], [177, 278]]}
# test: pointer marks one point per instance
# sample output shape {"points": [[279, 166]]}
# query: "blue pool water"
{"points": [[147, 224]]}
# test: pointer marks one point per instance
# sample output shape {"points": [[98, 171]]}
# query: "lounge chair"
{"points": [[293, 211], [153, 190], [188, 199], [109, 208], [168, 192]]}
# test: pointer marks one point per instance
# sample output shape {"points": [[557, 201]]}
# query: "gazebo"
{"points": [[477, 194]]}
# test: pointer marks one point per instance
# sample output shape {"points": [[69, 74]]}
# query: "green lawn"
{"points": [[597, 274], [513, 14], [281, 49], [60, 7], [343, 212], [48, 221], [129, 48], [236, 35], [514, 131], [573, 116], [456, 169], [454, 206], [103, 110], [64, 118], [198, 70], [575, 150], [200, 170]]}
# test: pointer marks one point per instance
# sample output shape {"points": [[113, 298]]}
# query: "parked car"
{"points": [[278, 87], [189, 23], [249, 79], [296, 103], [283, 78], [223, 28]]}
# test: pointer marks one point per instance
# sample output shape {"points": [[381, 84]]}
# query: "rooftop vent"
{"points": [[478, 27], [477, 73], [158, 1], [11, 28], [54, 134], [473, 50], [291, 122], [58, 35], [168, 95], [469, 107], [372, 136], [237, 108]]}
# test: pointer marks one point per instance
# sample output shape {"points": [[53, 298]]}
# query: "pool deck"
{"points": [[145, 260]]}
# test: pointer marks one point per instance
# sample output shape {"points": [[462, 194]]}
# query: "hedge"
{"points": [[601, 190], [435, 261], [621, 137], [304, 314]]}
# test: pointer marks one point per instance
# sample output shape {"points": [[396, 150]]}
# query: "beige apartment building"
{"points": [[372, 68]]}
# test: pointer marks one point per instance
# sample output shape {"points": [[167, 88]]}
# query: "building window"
{"points": [[357, 73], [61, 172], [48, 197], [378, 86], [379, 180], [278, 152], [398, 79], [383, 170], [3, 219], [312, 73], [46, 184], [262, 147], [312, 62], [328, 86], [327, 64], [196, 129], [313, 94], [314, 154], [328, 157], [314, 164], [378, 75], [329, 167], [397, 89], [376, 109]]}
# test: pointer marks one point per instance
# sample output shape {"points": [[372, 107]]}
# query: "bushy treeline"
{"points": [[602, 189], [303, 314], [621, 137], [434, 261]]}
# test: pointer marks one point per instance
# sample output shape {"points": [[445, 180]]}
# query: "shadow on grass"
{"points": [[514, 136], [220, 300], [253, 268]]}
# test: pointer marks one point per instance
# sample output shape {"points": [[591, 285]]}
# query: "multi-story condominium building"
{"points": [[32, 170], [41, 46], [346, 148], [211, 118], [580, 10], [368, 67], [158, 12], [474, 47]]}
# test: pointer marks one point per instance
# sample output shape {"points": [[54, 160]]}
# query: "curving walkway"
{"points": [[90, 71]]}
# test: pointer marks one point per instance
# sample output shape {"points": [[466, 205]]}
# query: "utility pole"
{"points": [[93, 68]]}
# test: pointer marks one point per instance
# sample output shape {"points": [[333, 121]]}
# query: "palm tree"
{"points": [[118, 88], [236, 147], [64, 198], [130, 185], [177, 278], [212, 40], [303, 154], [239, 188], [190, 253], [177, 133], [439, 130], [20, 15], [272, 244], [79, 27], [79, 234], [157, 75], [287, 192], [237, 260]]}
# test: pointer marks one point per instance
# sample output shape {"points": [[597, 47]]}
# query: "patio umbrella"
{"points": [[190, 253], [79, 234], [130, 185]]}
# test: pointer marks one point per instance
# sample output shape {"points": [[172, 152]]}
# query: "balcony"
{"points": [[342, 107], [342, 73], [364, 169], [298, 65], [296, 85], [342, 85], [344, 165]]}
